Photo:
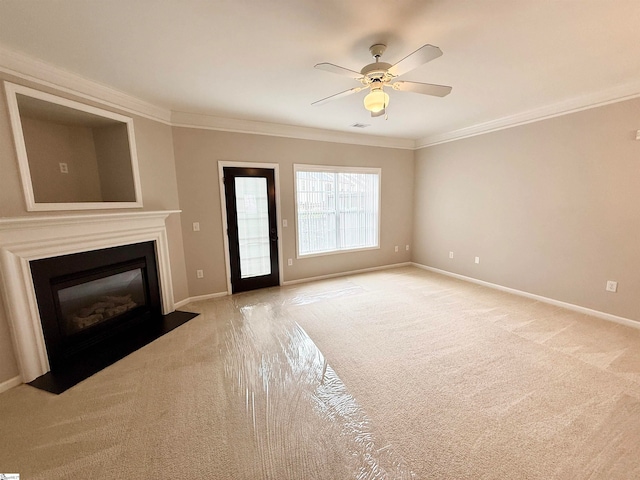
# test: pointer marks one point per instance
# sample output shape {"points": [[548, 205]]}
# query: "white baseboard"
{"points": [[344, 274], [197, 298], [12, 382], [569, 306], [182, 303]]}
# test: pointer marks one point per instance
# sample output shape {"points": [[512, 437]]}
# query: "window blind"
{"points": [[337, 209]]}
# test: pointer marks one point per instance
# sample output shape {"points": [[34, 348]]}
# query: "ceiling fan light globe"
{"points": [[376, 100]]}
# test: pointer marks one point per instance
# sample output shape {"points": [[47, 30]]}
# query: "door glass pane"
{"points": [[253, 226]]}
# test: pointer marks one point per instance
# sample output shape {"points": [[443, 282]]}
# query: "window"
{"points": [[337, 208]]}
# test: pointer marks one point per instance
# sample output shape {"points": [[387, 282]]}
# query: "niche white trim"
{"points": [[12, 90]]}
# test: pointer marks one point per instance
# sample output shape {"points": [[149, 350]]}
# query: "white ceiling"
{"points": [[253, 59]]}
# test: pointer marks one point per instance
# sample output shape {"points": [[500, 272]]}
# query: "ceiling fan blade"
{"points": [[378, 114], [423, 88], [338, 95], [330, 67], [424, 54]]}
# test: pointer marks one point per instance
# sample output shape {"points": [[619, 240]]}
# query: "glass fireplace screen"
{"points": [[96, 301]]}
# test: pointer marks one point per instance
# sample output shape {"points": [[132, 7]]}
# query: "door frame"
{"points": [[223, 211]]}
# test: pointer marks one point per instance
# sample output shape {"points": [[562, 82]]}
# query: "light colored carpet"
{"points": [[395, 374]]}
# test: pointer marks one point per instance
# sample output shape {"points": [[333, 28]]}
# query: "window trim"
{"points": [[335, 169]]}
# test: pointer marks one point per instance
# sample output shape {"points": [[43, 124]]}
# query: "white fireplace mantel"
{"points": [[23, 239]]}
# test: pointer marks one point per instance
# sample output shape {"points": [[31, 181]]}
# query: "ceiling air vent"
{"points": [[361, 125]]}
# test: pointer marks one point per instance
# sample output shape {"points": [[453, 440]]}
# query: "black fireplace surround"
{"points": [[96, 308], [90, 297]]}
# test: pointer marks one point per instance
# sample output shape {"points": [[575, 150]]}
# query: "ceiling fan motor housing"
{"points": [[377, 69]]}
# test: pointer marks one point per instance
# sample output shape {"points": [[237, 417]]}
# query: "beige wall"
{"points": [[114, 163], [159, 192], [551, 208], [197, 153], [48, 144]]}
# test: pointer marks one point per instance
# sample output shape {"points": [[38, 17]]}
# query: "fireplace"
{"points": [[25, 240], [88, 298]]}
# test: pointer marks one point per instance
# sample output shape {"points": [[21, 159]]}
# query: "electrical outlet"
{"points": [[196, 226], [406, 247], [290, 262], [285, 223], [199, 274], [450, 254], [477, 259], [396, 248], [64, 168], [612, 286]]}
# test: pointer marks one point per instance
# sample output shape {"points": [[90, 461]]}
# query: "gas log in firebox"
{"points": [[92, 297]]}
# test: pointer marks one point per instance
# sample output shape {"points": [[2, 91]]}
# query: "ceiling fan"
{"points": [[378, 75]]}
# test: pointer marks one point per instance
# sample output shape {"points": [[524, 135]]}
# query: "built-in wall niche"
{"points": [[72, 156]]}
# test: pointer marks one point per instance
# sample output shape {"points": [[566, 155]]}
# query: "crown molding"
{"points": [[208, 122], [576, 104], [34, 70], [42, 73]]}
